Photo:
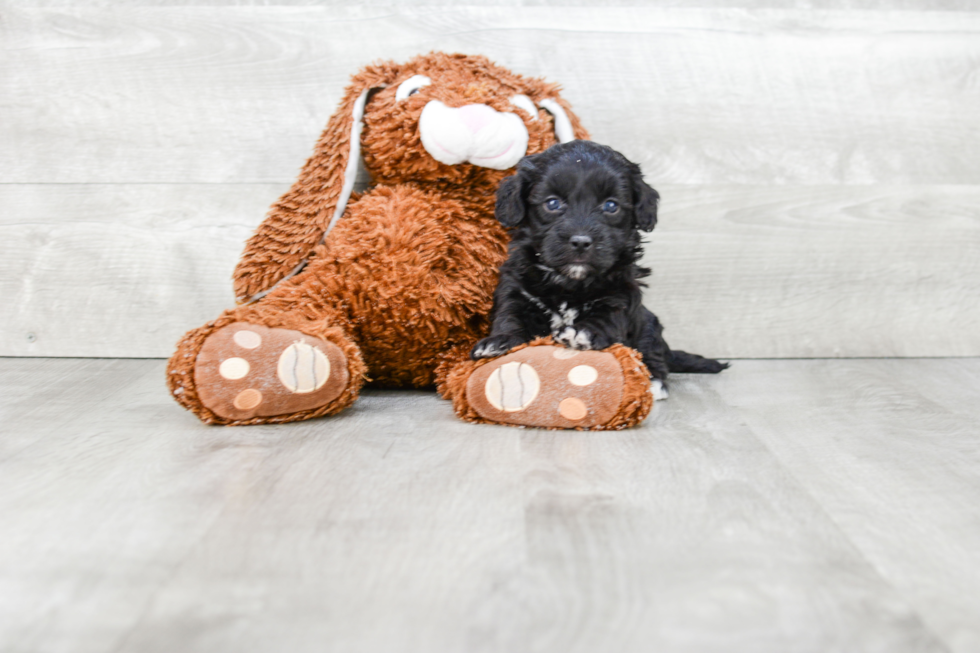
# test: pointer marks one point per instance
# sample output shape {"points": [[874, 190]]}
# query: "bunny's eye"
{"points": [[524, 102], [411, 86]]}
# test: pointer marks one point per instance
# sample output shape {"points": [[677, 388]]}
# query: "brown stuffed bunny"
{"points": [[392, 285]]}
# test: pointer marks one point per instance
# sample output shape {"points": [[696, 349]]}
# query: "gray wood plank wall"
{"points": [[820, 165]]}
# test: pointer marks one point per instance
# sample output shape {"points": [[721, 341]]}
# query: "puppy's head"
{"points": [[579, 206]]}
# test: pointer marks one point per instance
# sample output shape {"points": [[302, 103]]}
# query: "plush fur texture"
{"points": [[576, 212], [405, 278]]}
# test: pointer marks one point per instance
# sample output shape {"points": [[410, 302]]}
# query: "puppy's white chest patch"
{"points": [[576, 271], [563, 317]]}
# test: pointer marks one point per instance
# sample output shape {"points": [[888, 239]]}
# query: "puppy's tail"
{"points": [[681, 361]]}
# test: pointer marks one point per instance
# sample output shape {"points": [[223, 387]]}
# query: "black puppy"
{"points": [[575, 212]]}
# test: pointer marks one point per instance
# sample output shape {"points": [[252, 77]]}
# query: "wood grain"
{"points": [[125, 270], [819, 168], [119, 270], [696, 538], [818, 271], [699, 96], [888, 448], [888, 5], [129, 526]]}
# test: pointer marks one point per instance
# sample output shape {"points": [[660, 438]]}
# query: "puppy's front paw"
{"points": [[494, 346], [575, 339]]}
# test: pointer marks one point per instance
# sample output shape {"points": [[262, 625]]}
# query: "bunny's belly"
{"points": [[416, 274]]}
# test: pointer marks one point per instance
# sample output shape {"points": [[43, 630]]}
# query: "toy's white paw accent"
{"points": [[575, 339], [583, 375], [512, 387], [658, 390], [234, 368], [303, 368]]}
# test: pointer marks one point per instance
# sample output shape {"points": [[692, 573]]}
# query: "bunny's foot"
{"points": [[247, 373], [548, 386]]}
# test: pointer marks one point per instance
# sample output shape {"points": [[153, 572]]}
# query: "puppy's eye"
{"points": [[610, 206], [411, 86], [552, 204]]}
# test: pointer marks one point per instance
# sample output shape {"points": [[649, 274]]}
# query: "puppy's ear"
{"points": [[511, 205], [645, 200]]}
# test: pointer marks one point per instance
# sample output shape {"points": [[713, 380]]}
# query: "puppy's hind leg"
{"points": [[655, 352], [660, 359]]}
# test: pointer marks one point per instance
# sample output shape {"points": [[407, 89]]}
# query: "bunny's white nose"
{"points": [[474, 133], [476, 116]]}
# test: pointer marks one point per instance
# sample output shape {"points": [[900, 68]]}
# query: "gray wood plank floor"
{"points": [[795, 505]]}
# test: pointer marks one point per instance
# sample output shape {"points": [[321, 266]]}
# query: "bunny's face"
{"points": [[458, 119], [453, 121]]}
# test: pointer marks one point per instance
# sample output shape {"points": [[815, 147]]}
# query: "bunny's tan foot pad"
{"points": [[246, 370], [554, 387]]}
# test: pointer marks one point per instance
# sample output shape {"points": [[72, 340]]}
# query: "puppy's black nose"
{"points": [[580, 243]]}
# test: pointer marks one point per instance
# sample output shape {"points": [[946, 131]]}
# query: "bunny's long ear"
{"points": [[300, 219]]}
